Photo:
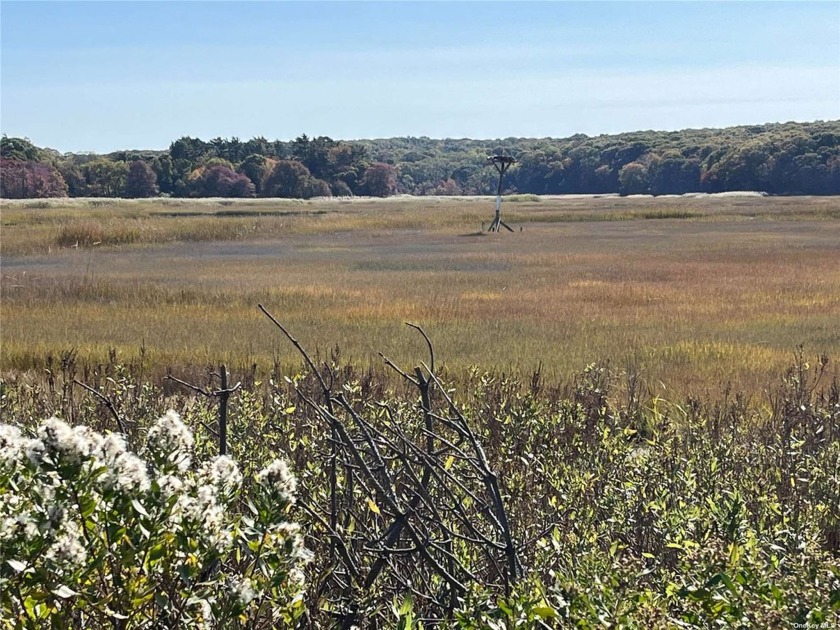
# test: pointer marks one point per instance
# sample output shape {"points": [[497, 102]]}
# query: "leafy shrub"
{"points": [[522, 198], [627, 510], [95, 536]]}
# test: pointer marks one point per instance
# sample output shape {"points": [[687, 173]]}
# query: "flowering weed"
{"points": [[94, 536]]}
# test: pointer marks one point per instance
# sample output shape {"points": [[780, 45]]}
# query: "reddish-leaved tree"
{"points": [[380, 180], [27, 180], [141, 180], [220, 181]]}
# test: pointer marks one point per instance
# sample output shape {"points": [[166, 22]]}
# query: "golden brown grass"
{"points": [[692, 293]]}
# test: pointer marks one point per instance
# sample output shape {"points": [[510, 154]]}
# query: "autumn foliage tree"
{"points": [[317, 188], [291, 179], [25, 180], [379, 180], [221, 181], [141, 180]]}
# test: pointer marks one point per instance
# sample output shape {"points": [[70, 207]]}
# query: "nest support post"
{"points": [[502, 163]]}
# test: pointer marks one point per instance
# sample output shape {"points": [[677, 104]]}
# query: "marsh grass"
{"points": [[90, 233], [696, 294]]}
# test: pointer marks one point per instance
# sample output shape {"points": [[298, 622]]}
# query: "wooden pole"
{"points": [[224, 394], [501, 164]]}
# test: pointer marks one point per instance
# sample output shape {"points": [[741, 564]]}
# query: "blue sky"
{"points": [[104, 76]]}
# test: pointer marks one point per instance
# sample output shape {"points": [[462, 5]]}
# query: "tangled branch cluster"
{"points": [[414, 509]]}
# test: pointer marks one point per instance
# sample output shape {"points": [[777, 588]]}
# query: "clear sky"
{"points": [[104, 76]]}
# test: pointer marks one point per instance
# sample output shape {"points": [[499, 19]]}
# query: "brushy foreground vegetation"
{"points": [[625, 510]]}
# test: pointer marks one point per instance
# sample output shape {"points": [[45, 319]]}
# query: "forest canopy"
{"points": [[779, 158]]}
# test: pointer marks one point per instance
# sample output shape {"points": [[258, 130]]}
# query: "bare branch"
{"points": [[299, 348], [428, 343], [394, 367], [107, 402], [194, 388]]}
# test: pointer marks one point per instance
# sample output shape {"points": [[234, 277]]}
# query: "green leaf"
{"points": [[729, 583], [407, 605], [156, 552], [88, 505], [545, 612], [29, 605], [139, 601], [699, 594]]}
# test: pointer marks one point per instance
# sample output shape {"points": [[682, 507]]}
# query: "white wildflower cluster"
{"points": [[222, 473], [290, 532], [241, 589], [81, 448], [200, 499], [28, 510], [68, 552], [202, 617], [17, 523], [171, 439], [62, 485], [278, 479], [12, 446], [61, 445], [169, 485], [124, 471], [197, 509]]}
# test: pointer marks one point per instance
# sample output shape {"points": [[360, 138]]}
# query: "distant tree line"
{"points": [[789, 158]]}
